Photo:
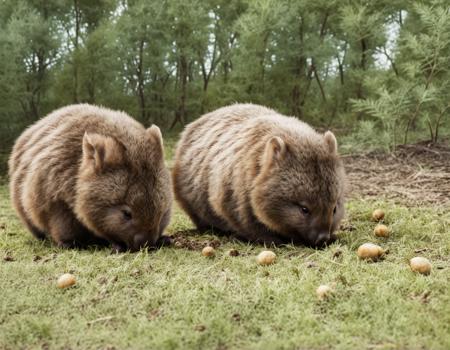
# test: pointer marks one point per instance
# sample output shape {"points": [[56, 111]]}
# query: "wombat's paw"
{"points": [[163, 241], [333, 238], [118, 248], [66, 244]]}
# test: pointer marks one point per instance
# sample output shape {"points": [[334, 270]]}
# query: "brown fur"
{"points": [[249, 170], [79, 172]]}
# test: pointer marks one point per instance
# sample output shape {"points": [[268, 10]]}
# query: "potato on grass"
{"points": [[208, 251], [378, 215], [370, 251], [266, 257], [381, 231], [66, 280], [421, 265]]}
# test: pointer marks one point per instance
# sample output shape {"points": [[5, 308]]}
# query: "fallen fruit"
{"points": [[266, 257], [378, 215], [370, 251], [66, 280], [420, 265], [208, 251], [324, 291], [381, 231]]}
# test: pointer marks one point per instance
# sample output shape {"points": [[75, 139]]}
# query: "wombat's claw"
{"points": [[118, 248], [65, 245]]}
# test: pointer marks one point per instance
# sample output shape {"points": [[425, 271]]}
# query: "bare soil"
{"points": [[413, 175]]}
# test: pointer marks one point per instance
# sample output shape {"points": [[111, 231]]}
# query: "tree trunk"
{"points": [[180, 114], [75, 53], [141, 83]]}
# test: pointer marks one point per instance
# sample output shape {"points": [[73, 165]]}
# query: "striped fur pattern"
{"points": [[262, 176], [85, 174]]}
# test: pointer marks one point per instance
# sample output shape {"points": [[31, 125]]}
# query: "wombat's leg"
{"points": [[262, 235], [16, 190], [164, 222], [199, 223], [65, 229], [34, 230]]}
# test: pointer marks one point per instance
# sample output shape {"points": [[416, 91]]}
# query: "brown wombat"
{"points": [[263, 176], [85, 174]]}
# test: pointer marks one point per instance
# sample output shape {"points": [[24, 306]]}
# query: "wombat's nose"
{"points": [[140, 241], [322, 238]]}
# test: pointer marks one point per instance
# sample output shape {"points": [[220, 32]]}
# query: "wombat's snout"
{"points": [[321, 239], [144, 240]]}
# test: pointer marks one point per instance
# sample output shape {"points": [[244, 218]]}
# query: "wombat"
{"points": [[85, 174], [265, 177]]}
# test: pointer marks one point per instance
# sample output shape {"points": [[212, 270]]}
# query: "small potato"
{"points": [[208, 251], [370, 251], [324, 291], [66, 280], [378, 215], [381, 231], [266, 257], [420, 265]]}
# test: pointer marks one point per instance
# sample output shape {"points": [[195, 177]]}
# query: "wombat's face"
{"points": [[124, 198], [299, 193]]}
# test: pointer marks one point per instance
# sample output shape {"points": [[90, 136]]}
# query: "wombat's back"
{"points": [[210, 139]]}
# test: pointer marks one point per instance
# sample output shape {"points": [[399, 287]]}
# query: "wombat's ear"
{"points": [[101, 151], [274, 151], [155, 137], [330, 141]]}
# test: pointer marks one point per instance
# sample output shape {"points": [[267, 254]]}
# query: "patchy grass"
{"points": [[176, 298]]}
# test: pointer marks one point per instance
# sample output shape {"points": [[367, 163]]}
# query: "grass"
{"points": [[175, 298]]}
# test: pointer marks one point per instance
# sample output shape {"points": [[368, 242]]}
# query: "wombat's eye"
{"points": [[304, 210], [334, 210], [127, 214]]}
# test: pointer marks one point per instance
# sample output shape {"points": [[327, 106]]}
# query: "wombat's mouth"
{"points": [[322, 242]]}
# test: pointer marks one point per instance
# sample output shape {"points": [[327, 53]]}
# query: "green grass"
{"points": [[176, 298]]}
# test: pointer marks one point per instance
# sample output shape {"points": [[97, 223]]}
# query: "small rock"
{"points": [[324, 291], [199, 328], [311, 264], [337, 253]]}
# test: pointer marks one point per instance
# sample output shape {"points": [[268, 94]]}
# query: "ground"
{"points": [[176, 298]]}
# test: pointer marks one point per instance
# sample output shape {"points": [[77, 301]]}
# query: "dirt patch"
{"points": [[187, 240], [413, 174]]}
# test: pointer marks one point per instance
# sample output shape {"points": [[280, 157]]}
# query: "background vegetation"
{"points": [[377, 71]]}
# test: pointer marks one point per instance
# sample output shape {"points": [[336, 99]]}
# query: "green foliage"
{"points": [[419, 95], [331, 63], [365, 137]]}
